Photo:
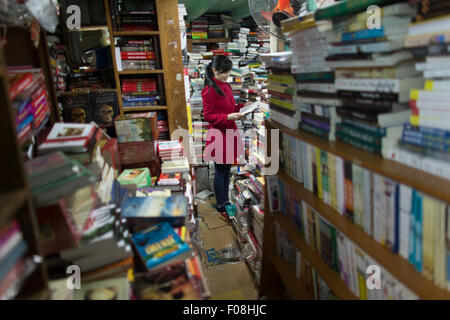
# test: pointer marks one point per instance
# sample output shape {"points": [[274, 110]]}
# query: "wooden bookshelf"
{"points": [[15, 195], [393, 263], [420, 180], [330, 276], [296, 287], [10, 202], [172, 71]]}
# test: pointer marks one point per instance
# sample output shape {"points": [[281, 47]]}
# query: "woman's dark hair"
{"points": [[222, 64]]}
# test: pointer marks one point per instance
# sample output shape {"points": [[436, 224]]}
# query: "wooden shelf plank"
{"points": [[393, 263], [134, 33], [420, 180], [330, 276], [149, 108], [90, 28], [132, 72], [295, 286], [10, 202]]}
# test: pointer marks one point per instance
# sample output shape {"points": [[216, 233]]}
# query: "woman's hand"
{"points": [[248, 103], [234, 116]]}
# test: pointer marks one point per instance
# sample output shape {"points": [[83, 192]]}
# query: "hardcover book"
{"points": [[158, 245], [172, 209]]}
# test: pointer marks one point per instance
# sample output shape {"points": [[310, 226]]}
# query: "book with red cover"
{"points": [[110, 152], [19, 83], [56, 233]]}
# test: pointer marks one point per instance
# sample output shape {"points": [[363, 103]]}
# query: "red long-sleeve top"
{"points": [[216, 109]]}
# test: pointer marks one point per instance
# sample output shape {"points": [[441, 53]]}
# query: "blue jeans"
{"points": [[221, 183]]}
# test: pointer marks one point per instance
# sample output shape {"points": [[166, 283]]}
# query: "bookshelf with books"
{"points": [[333, 197], [23, 273], [146, 51]]}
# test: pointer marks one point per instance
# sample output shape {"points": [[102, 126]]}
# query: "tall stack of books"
{"points": [[136, 133], [139, 92], [316, 96], [373, 75], [28, 93], [133, 15], [424, 142], [15, 264], [199, 28], [137, 54], [216, 29], [281, 90]]}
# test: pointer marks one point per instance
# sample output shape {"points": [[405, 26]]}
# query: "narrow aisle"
{"points": [[231, 281]]}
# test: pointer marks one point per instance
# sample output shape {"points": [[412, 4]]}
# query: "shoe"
{"points": [[220, 209]]}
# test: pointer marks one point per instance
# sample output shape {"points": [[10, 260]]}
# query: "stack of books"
{"points": [[28, 93], [136, 133], [16, 266], [172, 156], [247, 215], [134, 179], [282, 93], [425, 138], [199, 28], [137, 54], [216, 29], [163, 127], [87, 77], [316, 96], [139, 92], [373, 75], [133, 15]]}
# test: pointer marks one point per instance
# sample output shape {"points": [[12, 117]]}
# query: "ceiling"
{"points": [[195, 8]]}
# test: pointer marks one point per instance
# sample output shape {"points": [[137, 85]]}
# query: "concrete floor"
{"points": [[227, 281]]}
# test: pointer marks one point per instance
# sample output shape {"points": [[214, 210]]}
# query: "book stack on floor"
{"points": [[29, 97], [139, 92], [425, 139], [335, 249], [133, 15], [137, 54], [316, 95], [16, 264], [281, 90], [136, 136], [371, 201], [373, 75], [172, 156], [247, 214]]}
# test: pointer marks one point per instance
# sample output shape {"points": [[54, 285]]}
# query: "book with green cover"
{"points": [[346, 8], [135, 178]]}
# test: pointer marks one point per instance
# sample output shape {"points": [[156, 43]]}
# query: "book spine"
{"points": [[419, 233], [319, 174], [362, 34], [367, 187], [348, 190]]}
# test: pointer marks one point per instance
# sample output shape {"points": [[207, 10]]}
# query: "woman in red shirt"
{"points": [[220, 110]]}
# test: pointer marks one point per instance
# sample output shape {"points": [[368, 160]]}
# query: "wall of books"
{"points": [[362, 113]]}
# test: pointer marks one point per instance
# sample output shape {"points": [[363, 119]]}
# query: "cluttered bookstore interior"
{"points": [[340, 187]]}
